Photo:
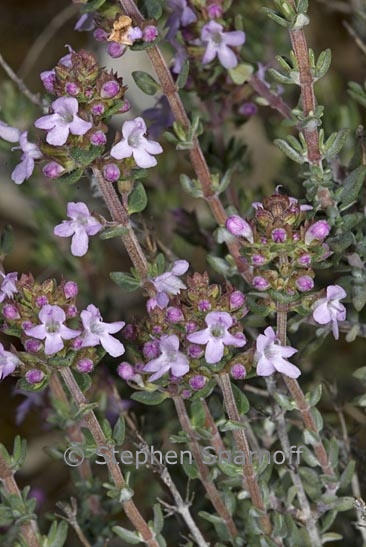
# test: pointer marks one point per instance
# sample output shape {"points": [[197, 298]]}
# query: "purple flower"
{"points": [[239, 227], [238, 371], [70, 289], [181, 15], [34, 376], [30, 152], [85, 365], [168, 283], [329, 309], [52, 329], [149, 33], [279, 235], [197, 382], [97, 332], [52, 170], [135, 144], [260, 283], [305, 283], [8, 285], [85, 22], [8, 362], [272, 357], [170, 359], [81, 226], [217, 42], [111, 172], [63, 121], [217, 336], [319, 231]]}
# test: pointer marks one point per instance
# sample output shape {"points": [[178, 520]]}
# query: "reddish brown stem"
{"points": [[300, 48], [29, 530], [196, 155], [273, 100], [209, 486], [91, 422], [120, 215], [299, 397], [242, 445]]}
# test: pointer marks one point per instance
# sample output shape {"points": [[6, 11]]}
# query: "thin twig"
{"points": [[209, 486], [181, 506], [46, 36], [274, 101], [35, 99], [91, 422]]}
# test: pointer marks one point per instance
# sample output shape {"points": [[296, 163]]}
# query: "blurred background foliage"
{"points": [[33, 34]]}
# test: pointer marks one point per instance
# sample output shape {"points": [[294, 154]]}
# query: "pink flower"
{"points": [[168, 283], [52, 329], [217, 42], [63, 121], [97, 332], [239, 227], [30, 152], [171, 359], [8, 362], [81, 226], [272, 357], [318, 231], [329, 309], [217, 336], [8, 285], [135, 144]]}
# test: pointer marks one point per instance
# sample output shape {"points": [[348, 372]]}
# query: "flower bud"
{"points": [[305, 283], [129, 332], [239, 227], [258, 260], [85, 365], [237, 299], [116, 50], [98, 138], [111, 172], [260, 283], [48, 78], [279, 235], [71, 311], [52, 170], [41, 301], [72, 89], [319, 230], [151, 349], [204, 305], [174, 315], [304, 260], [149, 33], [190, 327], [238, 371], [97, 109], [197, 382], [110, 89], [214, 11], [70, 289], [32, 345], [248, 109], [100, 35], [34, 376], [10, 312], [194, 351], [125, 371]]}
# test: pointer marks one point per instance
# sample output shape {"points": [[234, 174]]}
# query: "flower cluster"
{"points": [[283, 246], [193, 331], [45, 318]]}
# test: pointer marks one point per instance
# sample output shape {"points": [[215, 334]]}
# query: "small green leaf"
{"points": [[323, 64], [152, 8], [128, 536], [183, 75], [289, 151], [360, 374], [72, 177], [83, 158], [241, 73], [125, 281], [149, 397], [330, 536], [6, 240], [347, 474], [137, 200], [93, 5], [119, 431], [352, 186], [145, 82], [198, 415], [241, 400], [334, 143], [114, 232], [281, 78], [57, 534], [158, 518]]}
